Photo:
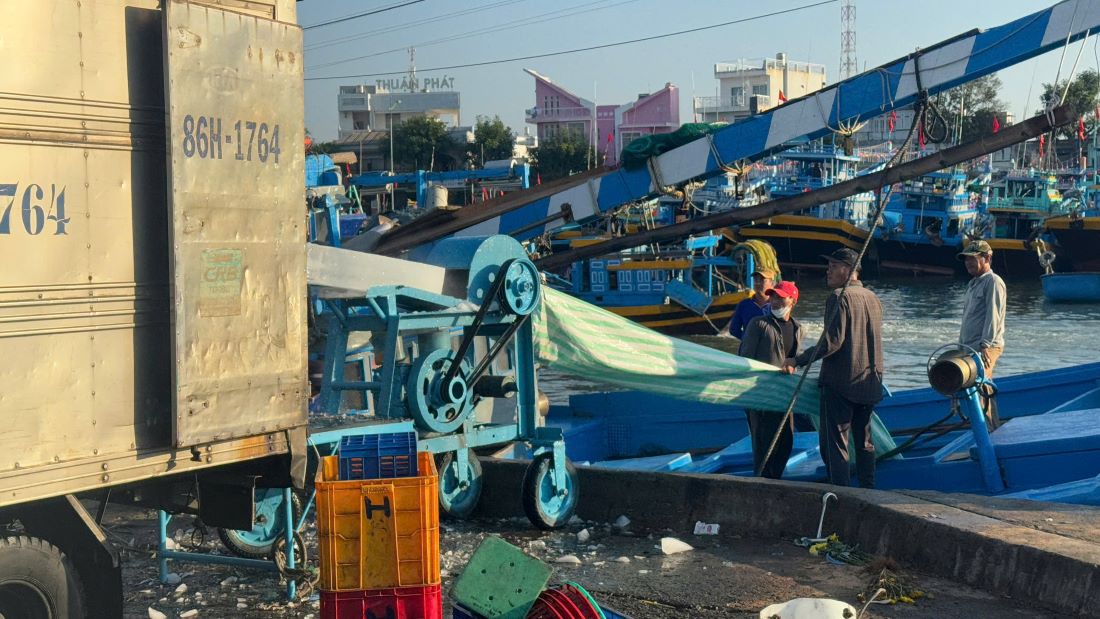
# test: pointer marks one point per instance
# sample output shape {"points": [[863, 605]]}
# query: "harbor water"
{"points": [[922, 314]]}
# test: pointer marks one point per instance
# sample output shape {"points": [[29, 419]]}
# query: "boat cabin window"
{"points": [[1022, 190], [1013, 228], [953, 226], [928, 223]]}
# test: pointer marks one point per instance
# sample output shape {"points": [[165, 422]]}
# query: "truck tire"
{"points": [[37, 581]]}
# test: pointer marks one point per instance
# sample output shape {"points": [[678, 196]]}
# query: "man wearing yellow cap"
{"points": [[756, 305], [983, 318]]}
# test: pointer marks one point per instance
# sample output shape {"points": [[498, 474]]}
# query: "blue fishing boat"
{"points": [[801, 238], [1074, 287], [925, 223], [1076, 233], [1013, 222], [685, 290], [1048, 447]]}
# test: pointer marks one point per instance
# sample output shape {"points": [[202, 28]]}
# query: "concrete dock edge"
{"points": [[1050, 570]]}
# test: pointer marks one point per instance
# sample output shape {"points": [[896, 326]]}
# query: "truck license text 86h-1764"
{"points": [[203, 137]]}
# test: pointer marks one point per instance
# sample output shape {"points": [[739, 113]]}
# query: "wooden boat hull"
{"points": [[800, 240], [674, 319], [1078, 242], [895, 256]]}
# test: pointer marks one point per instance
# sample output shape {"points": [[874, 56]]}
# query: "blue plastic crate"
{"points": [[378, 456], [612, 614], [458, 612]]}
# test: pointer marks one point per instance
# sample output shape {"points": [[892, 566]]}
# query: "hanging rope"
{"points": [[763, 256]]}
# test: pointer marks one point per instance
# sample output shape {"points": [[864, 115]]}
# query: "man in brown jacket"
{"points": [[772, 338], [851, 370]]}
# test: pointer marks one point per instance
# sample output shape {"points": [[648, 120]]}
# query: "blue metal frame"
{"points": [[388, 311], [409, 324], [972, 406], [164, 555]]}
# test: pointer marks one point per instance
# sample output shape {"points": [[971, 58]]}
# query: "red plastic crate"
{"points": [[400, 603], [563, 602]]}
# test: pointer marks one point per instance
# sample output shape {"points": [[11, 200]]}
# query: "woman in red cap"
{"points": [[772, 338]]}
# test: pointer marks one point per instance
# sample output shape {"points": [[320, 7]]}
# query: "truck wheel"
{"points": [[37, 581]]}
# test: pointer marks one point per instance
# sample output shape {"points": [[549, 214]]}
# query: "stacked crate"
{"points": [[378, 530]]}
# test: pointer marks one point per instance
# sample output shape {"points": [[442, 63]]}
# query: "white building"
{"points": [[366, 108], [751, 86]]}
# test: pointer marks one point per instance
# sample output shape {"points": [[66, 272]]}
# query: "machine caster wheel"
{"points": [[301, 557], [547, 507], [455, 501], [270, 524]]}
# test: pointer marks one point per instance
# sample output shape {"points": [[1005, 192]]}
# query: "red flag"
{"points": [[610, 137], [893, 121], [538, 178], [1042, 144], [1081, 128], [996, 124], [920, 133], [782, 97]]}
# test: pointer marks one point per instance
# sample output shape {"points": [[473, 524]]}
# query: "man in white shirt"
{"points": [[983, 319]]}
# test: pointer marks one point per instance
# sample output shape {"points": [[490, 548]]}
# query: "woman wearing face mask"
{"points": [[772, 338]]}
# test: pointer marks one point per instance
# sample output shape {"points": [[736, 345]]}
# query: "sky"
{"points": [[885, 31]]}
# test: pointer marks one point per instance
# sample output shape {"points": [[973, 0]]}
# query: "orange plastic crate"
{"points": [[380, 533]]}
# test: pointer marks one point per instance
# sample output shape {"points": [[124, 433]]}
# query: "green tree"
{"points": [[1081, 97], [324, 148], [969, 108], [492, 140], [420, 142], [565, 154]]}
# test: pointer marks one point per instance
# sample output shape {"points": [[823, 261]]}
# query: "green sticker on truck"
{"points": [[220, 286]]}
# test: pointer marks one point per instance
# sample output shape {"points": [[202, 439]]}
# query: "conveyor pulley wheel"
{"points": [[520, 293], [434, 405]]}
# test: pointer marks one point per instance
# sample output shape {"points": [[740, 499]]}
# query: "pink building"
{"points": [[558, 111]]}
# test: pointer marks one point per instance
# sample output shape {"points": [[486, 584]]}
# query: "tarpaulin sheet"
{"points": [[580, 339]]}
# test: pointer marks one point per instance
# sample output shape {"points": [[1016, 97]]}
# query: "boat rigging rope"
{"points": [[935, 128], [923, 106], [1065, 46], [1073, 70]]}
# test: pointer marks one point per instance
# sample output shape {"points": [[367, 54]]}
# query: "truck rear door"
{"points": [[234, 95]]}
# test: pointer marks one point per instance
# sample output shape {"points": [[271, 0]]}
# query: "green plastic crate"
{"points": [[500, 582]]}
